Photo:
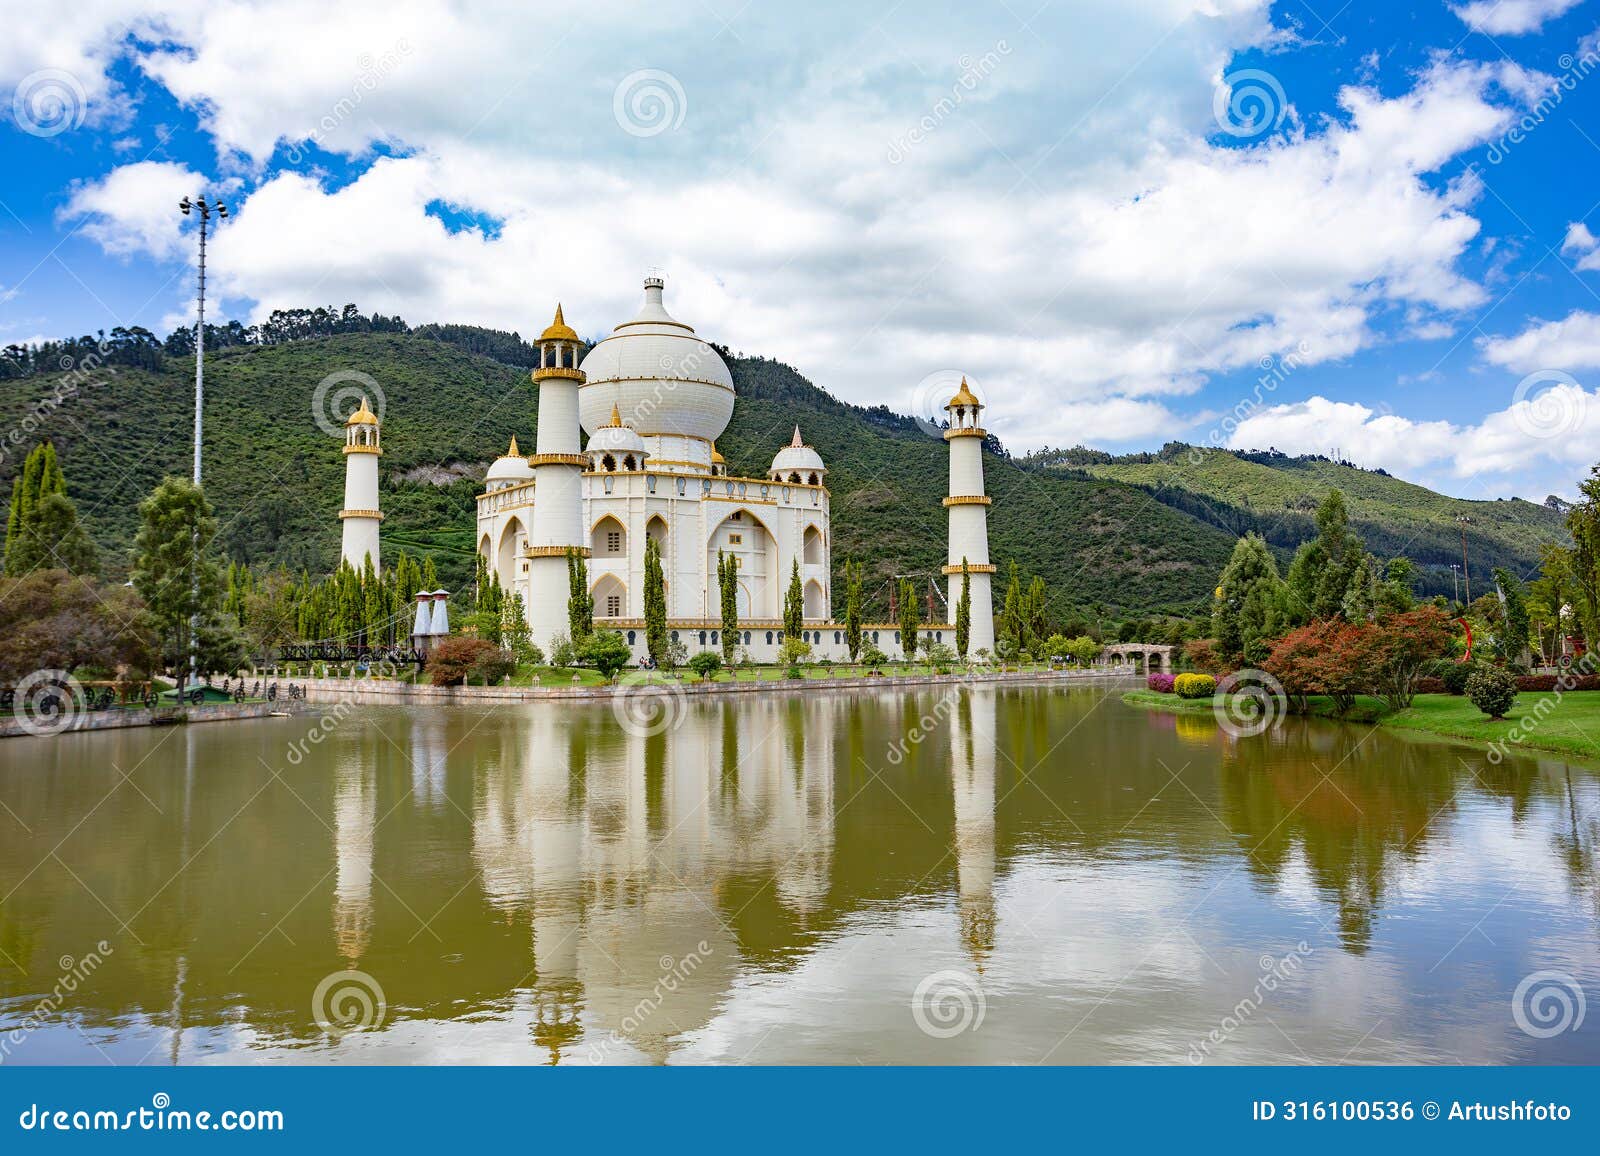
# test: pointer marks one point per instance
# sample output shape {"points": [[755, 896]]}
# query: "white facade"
{"points": [[652, 398], [361, 516]]}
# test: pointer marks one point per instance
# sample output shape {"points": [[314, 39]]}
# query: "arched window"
{"points": [[837, 638], [608, 463], [814, 480], [794, 479], [610, 597], [627, 462], [813, 546], [702, 638], [609, 539], [769, 638]]}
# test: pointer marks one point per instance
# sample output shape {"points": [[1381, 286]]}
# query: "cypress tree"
{"points": [[728, 586], [1011, 613], [910, 616], [794, 602], [852, 608], [964, 612], [655, 603], [580, 603]]}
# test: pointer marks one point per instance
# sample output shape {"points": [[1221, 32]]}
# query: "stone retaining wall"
{"points": [[379, 691], [103, 720]]}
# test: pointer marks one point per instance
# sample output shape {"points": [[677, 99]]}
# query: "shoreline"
{"points": [[1441, 716], [123, 719], [377, 692]]}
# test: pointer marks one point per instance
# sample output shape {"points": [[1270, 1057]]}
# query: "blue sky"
{"points": [[1369, 228]]}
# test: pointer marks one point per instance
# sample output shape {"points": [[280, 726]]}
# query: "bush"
{"points": [[453, 660], [606, 651], [1492, 690], [1194, 686], [1454, 676], [706, 664], [1159, 682]]}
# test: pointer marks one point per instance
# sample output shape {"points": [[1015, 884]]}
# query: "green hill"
{"points": [[1119, 535], [1277, 496]]}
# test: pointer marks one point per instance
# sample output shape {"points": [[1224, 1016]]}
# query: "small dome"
{"points": [[798, 457], [512, 467], [616, 438], [964, 396], [362, 415], [559, 329], [716, 456]]}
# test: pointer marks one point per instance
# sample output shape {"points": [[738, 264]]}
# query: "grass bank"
{"points": [[1539, 721]]}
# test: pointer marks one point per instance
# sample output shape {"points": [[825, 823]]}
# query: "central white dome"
{"points": [[663, 379]]}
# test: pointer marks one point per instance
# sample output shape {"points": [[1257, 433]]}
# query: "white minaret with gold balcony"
{"points": [[557, 521], [360, 515], [969, 517]]}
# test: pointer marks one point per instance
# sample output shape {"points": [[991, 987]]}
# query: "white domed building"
{"points": [[652, 399]]}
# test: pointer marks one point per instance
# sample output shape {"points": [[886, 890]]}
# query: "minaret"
{"points": [[969, 517], [558, 478], [360, 514]]}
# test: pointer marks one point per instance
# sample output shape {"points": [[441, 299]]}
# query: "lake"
{"points": [[987, 874]]}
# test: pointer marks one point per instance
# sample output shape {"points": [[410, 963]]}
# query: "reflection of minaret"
{"points": [[355, 814], [972, 739], [428, 752], [804, 846]]}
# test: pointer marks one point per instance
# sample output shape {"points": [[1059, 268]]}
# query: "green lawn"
{"points": [[1570, 725]]}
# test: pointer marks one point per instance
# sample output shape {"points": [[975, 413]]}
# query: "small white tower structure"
{"points": [[360, 515], [558, 464], [969, 517]]}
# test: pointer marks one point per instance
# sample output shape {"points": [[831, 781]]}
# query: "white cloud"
{"points": [[1570, 344], [134, 210], [1582, 244], [1543, 437], [1511, 17], [1072, 230]]}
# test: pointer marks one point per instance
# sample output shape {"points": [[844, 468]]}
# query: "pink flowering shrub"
{"points": [[1159, 682]]}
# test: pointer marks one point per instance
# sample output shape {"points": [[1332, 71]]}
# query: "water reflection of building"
{"points": [[972, 758], [355, 815], [620, 848]]}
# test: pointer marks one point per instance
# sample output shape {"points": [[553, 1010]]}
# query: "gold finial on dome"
{"points": [[513, 452], [795, 442], [559, 329], [362, 415], [964, 396], [616, 416], [716, 456]]}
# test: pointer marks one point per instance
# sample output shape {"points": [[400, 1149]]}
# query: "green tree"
{"points": [[580, 603], [655, 603], [173, 570], [1244, 612], [794, 601], [964, 612], [605, 650], [705, 664], [1011, 629], [728, 590], [910, 618], [515, 634], [1513, 644], [852, 608], [42, 528]]}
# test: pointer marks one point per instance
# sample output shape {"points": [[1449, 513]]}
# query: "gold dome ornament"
{"points": [[716, 456], [559, 329], [362, 415], [964, 396], [616, 417], [512, 451]]}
